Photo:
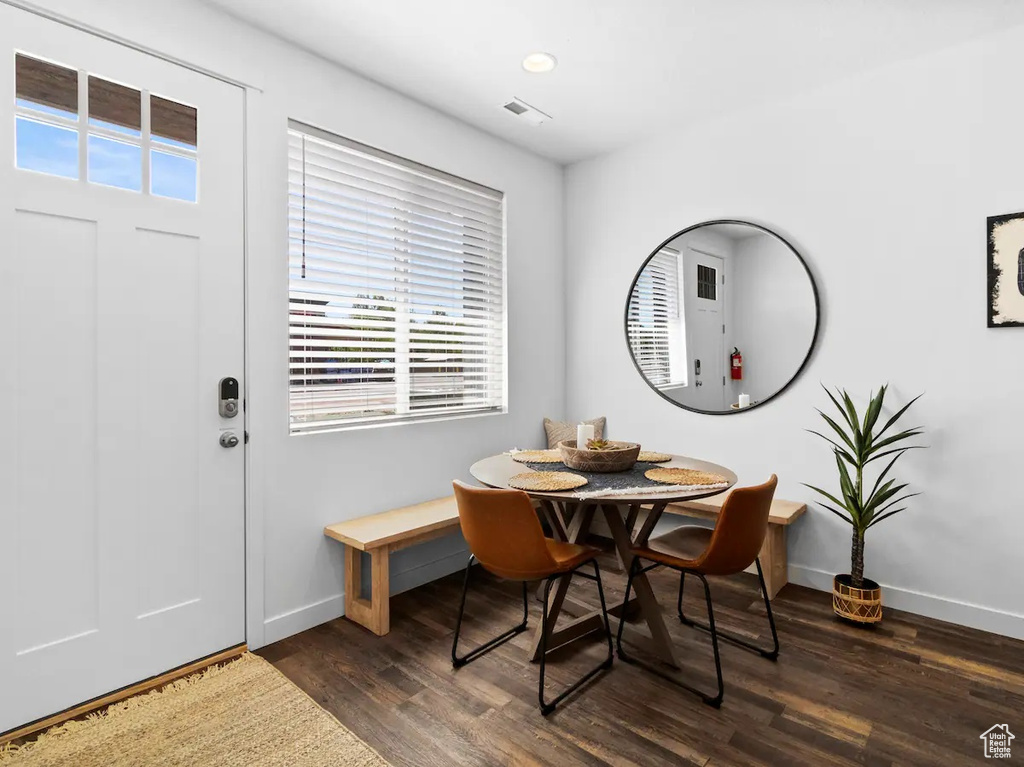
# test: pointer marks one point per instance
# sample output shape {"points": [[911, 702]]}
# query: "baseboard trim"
{"points": [[302, 618], [412, 577], [929, 605], [118, 695]]}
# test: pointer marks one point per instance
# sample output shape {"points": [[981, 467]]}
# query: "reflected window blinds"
{"points": [[654, 324]]}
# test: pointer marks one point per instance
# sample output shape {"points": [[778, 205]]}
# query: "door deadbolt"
{"points": [[228, 403], [228, 439]]}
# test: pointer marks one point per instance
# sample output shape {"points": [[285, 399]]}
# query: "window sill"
{"points": [[412, 421]]}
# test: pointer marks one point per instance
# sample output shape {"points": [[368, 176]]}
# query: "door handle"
{"points": [[228, 439]]}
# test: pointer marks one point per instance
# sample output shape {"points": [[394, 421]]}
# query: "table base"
{"points": [[621, 519]]}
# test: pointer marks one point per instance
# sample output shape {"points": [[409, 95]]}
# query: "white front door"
{"points": [[704, 309], [121, 308]]}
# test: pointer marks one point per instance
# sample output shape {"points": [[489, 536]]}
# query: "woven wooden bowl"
{"points": [[620, 456]]}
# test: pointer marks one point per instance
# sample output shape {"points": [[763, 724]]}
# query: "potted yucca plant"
{"points": [[856, 443]]}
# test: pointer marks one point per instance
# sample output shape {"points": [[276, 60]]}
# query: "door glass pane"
{"points": [[46, 148], [172, 123], [174, 176], [115, 107], [46, 87], [707, 282], [115, 163]]}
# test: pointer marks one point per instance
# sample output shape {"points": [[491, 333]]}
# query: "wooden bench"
{"points": [[379, 535], [774, 563]]}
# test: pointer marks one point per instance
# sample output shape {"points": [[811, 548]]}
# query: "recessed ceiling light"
{"points": [[539, 62]]}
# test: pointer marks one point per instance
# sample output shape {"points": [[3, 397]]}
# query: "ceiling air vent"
{"points": [[521, 109]]}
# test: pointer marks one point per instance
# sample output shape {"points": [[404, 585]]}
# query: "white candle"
{"points": [[584, 433], [744, 400]]}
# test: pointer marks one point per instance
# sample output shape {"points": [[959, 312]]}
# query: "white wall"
{"points": [[883, 183], [772, 306], [299, 484]]}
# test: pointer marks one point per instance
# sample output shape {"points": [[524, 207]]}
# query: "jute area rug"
{"points": [[241, 714]]}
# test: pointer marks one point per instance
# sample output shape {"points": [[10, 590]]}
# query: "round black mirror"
{"points": [[722, 317]]}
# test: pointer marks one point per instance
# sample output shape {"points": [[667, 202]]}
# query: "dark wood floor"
{"points": [[911, 691]]}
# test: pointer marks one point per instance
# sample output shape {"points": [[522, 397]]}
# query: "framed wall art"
{"points": [[1006, 271]]}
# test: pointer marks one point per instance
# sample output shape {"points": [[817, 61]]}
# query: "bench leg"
{"points": [[773, 560], [372, 613]]}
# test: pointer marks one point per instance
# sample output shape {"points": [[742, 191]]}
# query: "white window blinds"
{"points": [[396, 288], [654, 325]]}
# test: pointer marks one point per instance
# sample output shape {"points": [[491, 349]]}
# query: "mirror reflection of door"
{"points": [[704, 319]]}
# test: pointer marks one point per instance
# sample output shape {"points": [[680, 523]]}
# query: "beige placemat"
{"points": [[537, 456], [547, 481], [676, 476], [649, 456], [242, 714]]}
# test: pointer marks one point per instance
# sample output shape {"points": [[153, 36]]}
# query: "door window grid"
{"points": [[112, 146], [707, 282]]}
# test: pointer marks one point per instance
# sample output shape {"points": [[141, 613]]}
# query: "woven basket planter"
{"points": [[862, 605], [621, 456]]}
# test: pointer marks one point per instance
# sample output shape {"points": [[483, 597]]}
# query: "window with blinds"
{"points": [[654, 324], [396, 288]]}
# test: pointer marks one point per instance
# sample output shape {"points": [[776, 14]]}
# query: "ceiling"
{"points": [[627, 70], [737, 231]]}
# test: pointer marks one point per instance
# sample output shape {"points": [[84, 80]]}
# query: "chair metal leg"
{"points": [[679, 602], [458, 662], [772, 654], [633, 567], [604, 613], [546, 707], [717, 700], [712, 700]]}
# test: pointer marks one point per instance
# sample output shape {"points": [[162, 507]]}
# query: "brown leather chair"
{"points": [[505, 537], [730, 547]]}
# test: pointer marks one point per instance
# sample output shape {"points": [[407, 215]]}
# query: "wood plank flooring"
{"points": [[911, 691]]}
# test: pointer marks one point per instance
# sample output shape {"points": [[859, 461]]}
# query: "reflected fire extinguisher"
{"points": [[737, 364]]}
